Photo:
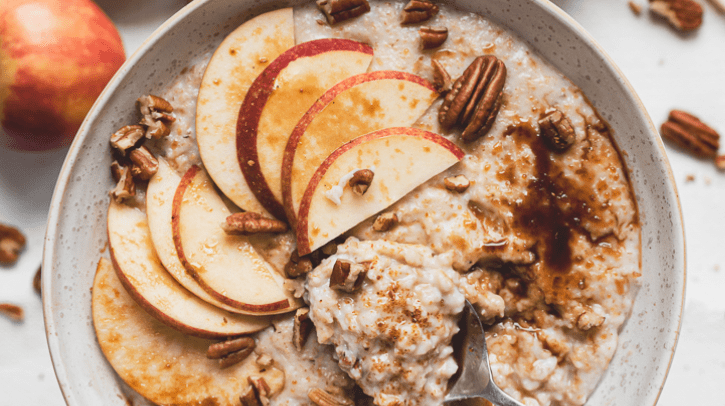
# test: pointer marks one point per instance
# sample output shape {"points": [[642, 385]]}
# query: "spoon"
{"points": [[474, 379]]}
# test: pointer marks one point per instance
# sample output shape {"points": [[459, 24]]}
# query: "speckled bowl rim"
{"points": [[52, 231]]}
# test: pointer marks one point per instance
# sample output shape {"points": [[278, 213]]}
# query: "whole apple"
{"points": [[56, 56]]}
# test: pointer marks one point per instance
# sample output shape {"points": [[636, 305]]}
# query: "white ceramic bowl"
{"points": [[76, 234]]}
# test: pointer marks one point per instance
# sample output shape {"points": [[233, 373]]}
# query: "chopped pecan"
{"points": [[689, 133], [298, 266], [341, 10], [458, 183], [588, 320], [417, 11], [433, 37], [475, 98], [14, 312], [685, 15], [557, 131], [441, 79], [635, 7], [347, 276], [127, 137], [252, 223], [125, 187], [231, 351], [36, 281], [361, 180], [264, 360], [257, 393], [322, 397], [302, 328], [720, 162], [385, 222], [145, 165], [156, 116], [12, 241]]}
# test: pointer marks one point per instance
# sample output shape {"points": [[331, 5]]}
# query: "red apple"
{"points": [[55, 59]]}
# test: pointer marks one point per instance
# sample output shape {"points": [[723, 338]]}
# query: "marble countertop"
{"points": [[668, 70]]}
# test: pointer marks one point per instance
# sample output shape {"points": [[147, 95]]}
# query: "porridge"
{"points": [[533, 220]]}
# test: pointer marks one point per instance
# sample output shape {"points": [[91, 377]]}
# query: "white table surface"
{"points": [[667, 70]]}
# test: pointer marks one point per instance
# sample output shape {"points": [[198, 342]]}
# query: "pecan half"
{"points": [[145, 165], [557, 131], [341, 10], [14, 312], [347, 276], [156, 115], [385, 222], [688, 132], [441, 78], [127, 137], [685, 15], [302, 328], [433, 37], [321, 397], [231, 351], [125, 187], [252, 223], [298, 266], [475, 98], [12, 242], [361, 180], [458, 183], [417, 11], [36, 281]]}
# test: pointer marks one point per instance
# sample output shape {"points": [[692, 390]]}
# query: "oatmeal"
{"points": [[536, 226]]}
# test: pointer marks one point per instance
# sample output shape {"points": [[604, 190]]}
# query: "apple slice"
{"points": [[226, 266], [160, 363], [238, 60], [159, 202], [148, 282], [277, 100], [354, 107], [400, 158]]}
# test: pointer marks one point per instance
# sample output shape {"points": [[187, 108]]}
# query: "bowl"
{"points": [[76, 232]]}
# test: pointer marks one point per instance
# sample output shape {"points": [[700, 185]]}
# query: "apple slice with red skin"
{"points": [[238, 60], [147, 281], [159, 206], [402, 158], [356, 106], [279, 97], [165, 366], [227, 267]]}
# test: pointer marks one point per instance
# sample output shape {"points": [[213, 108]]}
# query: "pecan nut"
{"points": [[298, 266], [145, 165], [347, 276], [125, 187], [433, 37], [720, 162], [252, 223], [417, 11], [458, 183], [302, 328], [557, 131], [689, 133], [441, 78], [475, 98], [361, 180], [385, 222], [12, 242], [231, 352], [685, 15], [257, 393], [589, 320], [127, 137], [341, 10], [321, 397], [157, 116], [14, 312]]}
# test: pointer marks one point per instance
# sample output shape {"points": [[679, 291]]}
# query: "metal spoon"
{"points": [[474, 378]]}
